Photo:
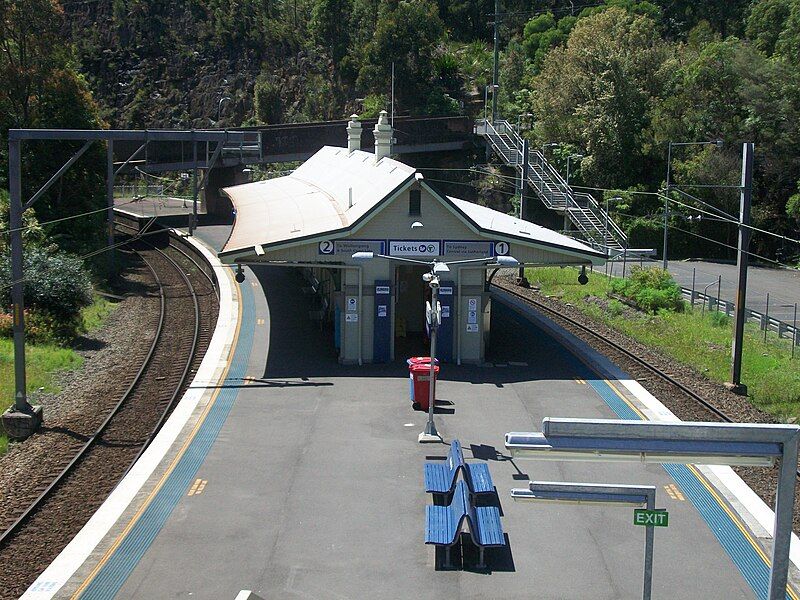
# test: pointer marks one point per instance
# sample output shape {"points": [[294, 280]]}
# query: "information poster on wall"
{"points": [[472, 328], [352, 304], [381, 310], [472, 316], [473, 304], [351, 318]]}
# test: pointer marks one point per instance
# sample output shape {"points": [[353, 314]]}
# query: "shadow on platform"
{"points": [[298, 348]]}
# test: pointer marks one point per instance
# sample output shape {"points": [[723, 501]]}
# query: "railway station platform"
{"points": [[293, 476]]}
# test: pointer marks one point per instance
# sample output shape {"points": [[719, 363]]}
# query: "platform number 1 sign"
{"points": [[501, 248]]}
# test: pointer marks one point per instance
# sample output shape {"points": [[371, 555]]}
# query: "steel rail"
{"points": [[200, 268], [710, 407], [91, 441], [187, 367], [640, 361]]}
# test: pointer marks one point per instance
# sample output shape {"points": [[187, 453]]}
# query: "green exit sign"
{"points": [[652, 518]]}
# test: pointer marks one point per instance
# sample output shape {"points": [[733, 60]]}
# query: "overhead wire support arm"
{"points": [[132, 157]]}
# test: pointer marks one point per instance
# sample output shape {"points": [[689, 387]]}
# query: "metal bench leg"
{"points": [[447, 557], [481, 564]]}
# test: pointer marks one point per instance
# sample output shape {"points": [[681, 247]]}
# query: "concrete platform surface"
{"points": [[313, 487]]}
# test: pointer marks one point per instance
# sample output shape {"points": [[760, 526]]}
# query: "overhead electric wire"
{"points": [[141, 234], [711, 206], [84, 214]]}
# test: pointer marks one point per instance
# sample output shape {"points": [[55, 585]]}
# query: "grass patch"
{"points": [[691, 337], [44, 361], [95, 315]]}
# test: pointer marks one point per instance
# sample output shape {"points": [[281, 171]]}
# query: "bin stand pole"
{"points": [[430, 434]]}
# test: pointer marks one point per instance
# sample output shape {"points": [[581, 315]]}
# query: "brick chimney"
{"points": [[383, 136]]}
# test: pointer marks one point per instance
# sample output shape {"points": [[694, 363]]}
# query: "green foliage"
{"points": [[326, 26], [765, 23], [615, 308], [39, 87], [56, 288], [267, 100], [43, 361], [32, 232], [719, 319], [650, 289], [373, 105], [406, 33], [793, 206], [597, 93]]}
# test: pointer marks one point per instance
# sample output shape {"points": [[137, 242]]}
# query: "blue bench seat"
{"points": [[443, 524], [440, 476]]}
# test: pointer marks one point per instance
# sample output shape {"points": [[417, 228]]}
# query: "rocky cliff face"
{"points": [[169, 64]]}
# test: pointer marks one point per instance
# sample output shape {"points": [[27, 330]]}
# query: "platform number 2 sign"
{"points": [[501, 248], [326, 247]]}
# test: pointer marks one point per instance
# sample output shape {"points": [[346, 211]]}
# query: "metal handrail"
{"points": [[546, 178]]}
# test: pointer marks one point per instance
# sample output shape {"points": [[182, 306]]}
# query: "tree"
{"points": [[597, 93], [406, 33], [40, 88], [766, 21], [326, 26]]}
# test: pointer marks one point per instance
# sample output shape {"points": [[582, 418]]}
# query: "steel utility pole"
{"points": [[17, 273], [110, 203], [666, 207], [523, 189], [743, 259], [496, 71]]}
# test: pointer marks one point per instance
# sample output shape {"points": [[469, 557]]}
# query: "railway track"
{"points": [[89, 466], [677, 395]]}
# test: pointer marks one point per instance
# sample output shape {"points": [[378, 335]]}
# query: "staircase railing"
{"points": [[594, 223]]}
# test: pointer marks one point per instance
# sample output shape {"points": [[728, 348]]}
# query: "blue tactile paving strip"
{"points": [[110, 578], [730, 537]]}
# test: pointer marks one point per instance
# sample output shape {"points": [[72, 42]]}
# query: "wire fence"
{"points": [[772, 314]]}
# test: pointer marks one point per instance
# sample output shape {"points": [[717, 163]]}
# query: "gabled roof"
{"points": [[314, 203], [492, 221], [314, 199]]}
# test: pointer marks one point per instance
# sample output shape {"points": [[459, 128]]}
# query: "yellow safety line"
{"points": [[169, 470], [737, 521], [702, 479], [626, 401], [735, 518]]}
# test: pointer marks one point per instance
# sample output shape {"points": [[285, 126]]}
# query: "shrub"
{"points": [[615, 308], [719, 319], [56, 287], [650, 290]]}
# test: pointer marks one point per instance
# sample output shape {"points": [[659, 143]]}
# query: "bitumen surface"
{"points": [[782, 285], [313, 485]]}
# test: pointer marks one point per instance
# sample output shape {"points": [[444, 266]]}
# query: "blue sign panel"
{"points": [[382, 331], [444, 348]]}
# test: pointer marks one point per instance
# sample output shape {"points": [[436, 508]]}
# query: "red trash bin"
{"points": [[421, 376], [416, 360]]}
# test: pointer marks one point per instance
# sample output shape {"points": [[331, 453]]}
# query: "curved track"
{"points": [[632, 356], [762, 481], [89, 467]]}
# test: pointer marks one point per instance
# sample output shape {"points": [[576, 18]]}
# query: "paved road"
{"points": [[782, 285]]}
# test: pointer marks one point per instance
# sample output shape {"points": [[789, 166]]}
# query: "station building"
{"points": [[342, 201]]}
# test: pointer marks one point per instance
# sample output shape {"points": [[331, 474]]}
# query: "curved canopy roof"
{"points": [[314, 199]]}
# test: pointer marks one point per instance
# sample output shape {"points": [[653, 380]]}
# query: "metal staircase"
{"points": [[592, 223]]}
